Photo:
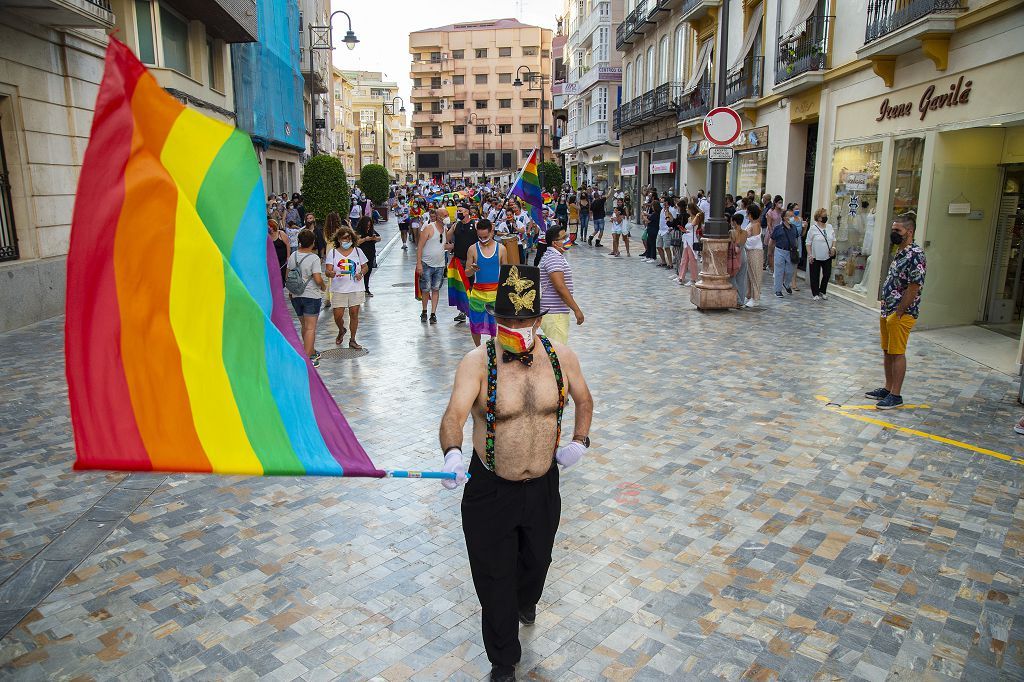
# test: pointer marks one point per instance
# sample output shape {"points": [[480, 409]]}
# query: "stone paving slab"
{"points": [[724, 525]]}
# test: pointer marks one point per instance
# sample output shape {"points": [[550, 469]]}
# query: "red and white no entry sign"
{"points": [[722, 126]]}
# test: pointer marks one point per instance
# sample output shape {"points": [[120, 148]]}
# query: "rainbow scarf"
{"points": [[527, 188], [181, 353], [458, 286]]}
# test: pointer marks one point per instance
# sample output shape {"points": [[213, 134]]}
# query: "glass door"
{"points": [[1003, 310]]}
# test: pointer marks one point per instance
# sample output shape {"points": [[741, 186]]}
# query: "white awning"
{"points": [[749, 36], [700, 66], [803, 12]]}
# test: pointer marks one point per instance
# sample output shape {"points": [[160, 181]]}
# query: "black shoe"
{"points": [[461, 317], [778, 294], [597, 245], [877, 394], [590, 241], [528, 615], [889, 402], [423, 316], [789, 291], [433, 318], [503, 673]]}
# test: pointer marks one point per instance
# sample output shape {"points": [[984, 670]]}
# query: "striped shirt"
{"points": [[553, 261]]}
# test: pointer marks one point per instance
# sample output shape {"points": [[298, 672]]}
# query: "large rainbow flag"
{"points": [[458, 286], [527, 188], [181, 354]]}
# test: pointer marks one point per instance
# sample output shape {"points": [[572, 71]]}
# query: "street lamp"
{"points": [[536, 82], [322, 38], [387, 110]]}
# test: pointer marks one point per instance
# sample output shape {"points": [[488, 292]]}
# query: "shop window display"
{"points": [[908, 155], [855, 173]]}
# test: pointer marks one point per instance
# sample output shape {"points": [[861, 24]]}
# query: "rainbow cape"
{"points": [[527, 188], [181, 353]]}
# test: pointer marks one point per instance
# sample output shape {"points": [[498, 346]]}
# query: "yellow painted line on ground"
{"points": [[922, 434]]}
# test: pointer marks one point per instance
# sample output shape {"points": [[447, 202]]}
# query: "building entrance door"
{"points": [[1005, 301]]}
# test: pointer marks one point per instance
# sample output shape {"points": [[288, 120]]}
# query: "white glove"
{"points": [[453, 464], [570, 454]]}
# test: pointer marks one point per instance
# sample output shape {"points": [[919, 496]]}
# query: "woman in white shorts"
{"points": [[346, 266], [620, 228]]}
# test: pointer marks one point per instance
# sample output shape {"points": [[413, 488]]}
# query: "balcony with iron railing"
{"points": [[68, 13], [650, 106], [694, 10], [626, 28], [695, 104], [746, 82], [803, 55], [896, 27], [593, 134]]}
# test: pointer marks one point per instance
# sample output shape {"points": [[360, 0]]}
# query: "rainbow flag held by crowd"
{"points": [[458, 286], [181, 354], [527, 188]]}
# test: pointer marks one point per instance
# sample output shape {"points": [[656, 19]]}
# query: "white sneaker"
{"points": [[674, 278], [688, 284], [749, 303], [824, 297], [814, 298]]}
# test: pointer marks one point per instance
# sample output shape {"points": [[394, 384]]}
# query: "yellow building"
{"points": [[378, 118], [345, 122], [469, 117]]}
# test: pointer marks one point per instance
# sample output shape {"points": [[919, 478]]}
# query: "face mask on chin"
{"points": [[516, 341]]}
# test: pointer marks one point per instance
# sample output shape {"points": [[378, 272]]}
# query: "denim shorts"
{"points": [[306, 306], [598, 224], [431, 278]]}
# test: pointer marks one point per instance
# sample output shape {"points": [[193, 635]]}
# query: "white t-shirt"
{"points": [[345, 267], [663, 221], [704, 205], [820, 241]]}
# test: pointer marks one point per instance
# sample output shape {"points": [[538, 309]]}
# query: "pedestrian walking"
{"points": [[689, 268], [667, 214], [620, 230], [597, 213], [483, 264], [755, 254], [460, 238], [821, 249], [366, 239], [737, 258], [556, 288], [307, 302], [511, 506], [784, 238], [281, 248], [901, 305], [347, 266], [430, 263], [584, 214], [404, 221]]}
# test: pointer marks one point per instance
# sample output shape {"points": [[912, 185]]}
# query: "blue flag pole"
{"points": [[396, 473]]}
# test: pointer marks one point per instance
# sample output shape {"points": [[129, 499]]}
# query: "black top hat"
{"points": [[518, 296]]}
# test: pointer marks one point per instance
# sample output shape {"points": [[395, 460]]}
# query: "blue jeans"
{"points": [[739, 280], [584, 223], [598, 228], [783, 269], [431, 278]]}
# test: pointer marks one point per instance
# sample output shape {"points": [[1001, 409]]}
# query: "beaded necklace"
{"points": [[492, 397]]}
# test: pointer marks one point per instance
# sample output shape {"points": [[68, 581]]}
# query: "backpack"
{"points": [[294, 282]]}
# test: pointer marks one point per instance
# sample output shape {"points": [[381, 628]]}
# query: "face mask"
{"points": [[824, 219], [896, 238], [346, 245], [792, 221], [515, 340], [484, 240], [796, 213]]}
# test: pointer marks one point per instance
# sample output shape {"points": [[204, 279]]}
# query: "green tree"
{"points": [[551, 175], [325, 187], [375, 182]]}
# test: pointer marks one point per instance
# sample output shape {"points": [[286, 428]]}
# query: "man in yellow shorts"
{"points": [[901, 301]]}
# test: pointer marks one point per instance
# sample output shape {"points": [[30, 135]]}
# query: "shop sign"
{"points": [[856, 182], [698, 150], [663, 167], [628, 170], [959, 93], [720, 153], [597, 158], [960, 208], [755, 138]]}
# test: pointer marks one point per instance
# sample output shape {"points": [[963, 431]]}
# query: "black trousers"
{"points": [[821, 272], [510, 530]]}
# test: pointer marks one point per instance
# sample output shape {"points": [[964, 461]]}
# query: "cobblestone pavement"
{"points": [[726, 522]]}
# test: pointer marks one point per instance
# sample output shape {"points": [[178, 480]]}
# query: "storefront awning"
{"points": [[749, 36]]}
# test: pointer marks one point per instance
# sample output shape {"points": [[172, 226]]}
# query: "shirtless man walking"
{"points": [[516, 390]]}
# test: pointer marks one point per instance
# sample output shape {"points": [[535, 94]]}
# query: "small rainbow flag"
{"points": [[181, 353], [527, 188], [458, 286]]}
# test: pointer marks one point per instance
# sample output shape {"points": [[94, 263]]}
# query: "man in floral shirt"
{"points": [[901, 301]]}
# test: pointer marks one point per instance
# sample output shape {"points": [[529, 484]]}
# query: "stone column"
{"points": [[713, 290]]}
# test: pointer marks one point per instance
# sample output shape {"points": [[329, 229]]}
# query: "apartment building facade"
{"points": [[51, 64], [346, 128], [469, 117], [592, 89], [379, 118]]}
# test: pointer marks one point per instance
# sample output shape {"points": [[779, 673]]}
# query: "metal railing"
{"points": [[633, 22], [102, 4], [886, 16], [652, 105], [8, 235], [745, 82], [805, 49], [695, 103]]}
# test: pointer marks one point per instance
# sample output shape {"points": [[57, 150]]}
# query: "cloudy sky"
{"points": [[383, 28]]}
